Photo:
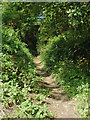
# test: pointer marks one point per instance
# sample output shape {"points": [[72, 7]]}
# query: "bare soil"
{"points": [[59, 103]]}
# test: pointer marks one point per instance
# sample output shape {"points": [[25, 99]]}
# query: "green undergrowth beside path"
{"points": [[21, 90], [58, 32], [70, 72]]}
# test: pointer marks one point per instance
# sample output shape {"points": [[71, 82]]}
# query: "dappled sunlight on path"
{"points": [[58, 103]]}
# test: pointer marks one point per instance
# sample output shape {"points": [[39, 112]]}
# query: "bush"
{"points": [[20, 79], [83, 100], [66, 56]]}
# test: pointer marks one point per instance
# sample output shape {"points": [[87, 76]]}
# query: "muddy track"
{"points": [[59, 103]]}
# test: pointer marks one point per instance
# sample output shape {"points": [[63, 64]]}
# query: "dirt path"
{"points": [[59, 104]]}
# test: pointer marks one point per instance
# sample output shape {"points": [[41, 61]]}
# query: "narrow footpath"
{"points": [[59, 104]]}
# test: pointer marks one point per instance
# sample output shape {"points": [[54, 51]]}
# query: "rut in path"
{"points": [[59, 104]]}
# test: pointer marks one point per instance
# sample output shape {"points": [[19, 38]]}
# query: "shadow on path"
{"points": [[58, 103], [49, 83]]}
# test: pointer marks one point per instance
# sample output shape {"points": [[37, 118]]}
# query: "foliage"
{"points": [[23, 16], [20, 79], [66, 47], [61, 17], [83, 100], [70, 69], [59, 31], [13, 46]]}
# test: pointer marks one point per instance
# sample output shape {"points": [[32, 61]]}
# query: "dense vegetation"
{"points": [[66, 49], [59, 33], [20, 79]]}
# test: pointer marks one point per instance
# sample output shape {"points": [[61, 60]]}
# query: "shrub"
{"points": [[65, 58], [20, 79], [82, 99]]}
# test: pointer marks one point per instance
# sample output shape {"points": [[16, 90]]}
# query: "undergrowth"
{"points": [[21, 89], [65, 57]]}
